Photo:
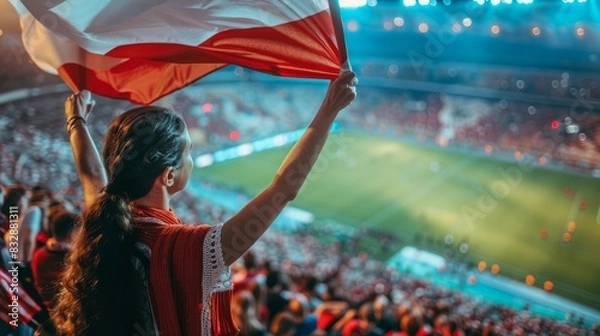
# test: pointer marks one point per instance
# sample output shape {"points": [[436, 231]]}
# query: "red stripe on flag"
{"points": [[139, 81], [303, 48]]}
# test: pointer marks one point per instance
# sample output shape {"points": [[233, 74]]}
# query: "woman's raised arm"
{"points": [[87, 159], [242, 230]]}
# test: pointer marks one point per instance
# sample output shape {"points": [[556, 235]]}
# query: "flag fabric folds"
{"points": [[143, 50]]}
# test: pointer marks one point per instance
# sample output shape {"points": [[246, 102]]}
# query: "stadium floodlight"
{"points": [[409, 3], [352, 3], [495, 2], [424, 2]]}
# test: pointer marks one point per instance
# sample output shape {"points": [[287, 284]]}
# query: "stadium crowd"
{"points": [[227, 115], [283, 292], [548, 83], [313, 289]]}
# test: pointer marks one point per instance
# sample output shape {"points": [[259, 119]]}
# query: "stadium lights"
{"points": [[411, 3], [352, 3], [505, 2]]}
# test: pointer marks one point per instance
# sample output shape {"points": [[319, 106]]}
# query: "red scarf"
{"points": [[176, 277]]}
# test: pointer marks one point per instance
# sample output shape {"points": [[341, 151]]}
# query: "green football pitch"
{"points": [[501, 209]]}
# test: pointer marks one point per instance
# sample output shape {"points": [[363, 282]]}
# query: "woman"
{"points": [[134, 268]]}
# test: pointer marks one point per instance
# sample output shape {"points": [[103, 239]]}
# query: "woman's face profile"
{"points": [[182, 174]]}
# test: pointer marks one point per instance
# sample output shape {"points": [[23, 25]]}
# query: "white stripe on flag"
{"points": [[99, 26]]}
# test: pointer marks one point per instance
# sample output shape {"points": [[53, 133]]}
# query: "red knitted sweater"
{"points": [[189, 286]]}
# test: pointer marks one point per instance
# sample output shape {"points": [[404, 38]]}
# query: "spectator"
{"points": [[284, 324], [244, 312], [48, 262], [33, 223], [127, 196], [276, 302], [306, 322], [16, 195]]}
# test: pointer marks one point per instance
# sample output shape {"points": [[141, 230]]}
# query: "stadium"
{"points": [[456, 195]]}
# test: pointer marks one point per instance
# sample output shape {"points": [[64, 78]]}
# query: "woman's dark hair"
{"points": [[13, 197], [101, 292]]}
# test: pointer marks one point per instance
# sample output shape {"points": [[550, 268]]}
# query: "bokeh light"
{"points": [[518, 155], [207, 107], [399, 22], [572, 226], [530, 280], [234, 135], [352, 25]]}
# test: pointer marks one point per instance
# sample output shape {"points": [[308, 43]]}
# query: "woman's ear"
{"points": [[168, 177]]}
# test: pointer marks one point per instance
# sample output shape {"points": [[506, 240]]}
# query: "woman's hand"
{"points": [[341, 93], [79, 105]]}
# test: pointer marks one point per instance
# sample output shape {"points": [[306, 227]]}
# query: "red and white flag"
{"points": [[143, 50]]}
